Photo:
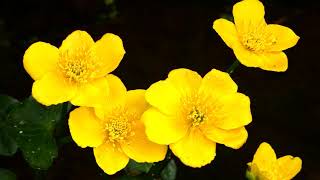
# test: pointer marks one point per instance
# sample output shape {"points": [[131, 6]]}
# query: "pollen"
{"points": [[77, 65], [119, 125]]}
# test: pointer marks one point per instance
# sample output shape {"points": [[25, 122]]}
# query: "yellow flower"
{"points": [[116, 131], [76, 71], [255, 43], [266, 166], [192, 114]]}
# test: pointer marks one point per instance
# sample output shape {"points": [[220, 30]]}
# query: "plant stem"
{"points": [[234, 65]]}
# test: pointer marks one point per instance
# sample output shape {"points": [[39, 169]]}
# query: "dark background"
{"points": [[160, 36]]}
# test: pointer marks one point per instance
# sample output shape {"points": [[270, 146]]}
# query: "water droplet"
{"points": [[38, 149], [21, 122], [15, 126], [20, 132], [33, 152]]}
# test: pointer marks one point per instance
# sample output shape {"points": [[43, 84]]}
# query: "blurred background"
{"points": [[162, 35]]}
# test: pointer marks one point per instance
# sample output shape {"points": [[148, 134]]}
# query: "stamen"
{"points": [[77, 66], [257, 39], [119, 126]]}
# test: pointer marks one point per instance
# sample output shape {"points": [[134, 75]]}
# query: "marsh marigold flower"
{"points": [[266, 166], [76, 71], [115, 131], [254, 42], [191, 114]]}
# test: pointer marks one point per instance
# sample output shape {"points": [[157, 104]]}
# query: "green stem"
{"points": [[234, 65]]}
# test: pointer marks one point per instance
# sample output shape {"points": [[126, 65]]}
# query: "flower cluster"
{"points": [[188, 113]]}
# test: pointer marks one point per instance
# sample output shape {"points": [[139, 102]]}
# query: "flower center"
{"points": [[119, 126], [257, 39], [76, 65], [196, 116], [196, 109]]}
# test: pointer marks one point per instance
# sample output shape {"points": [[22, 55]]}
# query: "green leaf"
{"points": [[133, 168], [8, 145], [7, 175], [32, 125], [170, 171]]}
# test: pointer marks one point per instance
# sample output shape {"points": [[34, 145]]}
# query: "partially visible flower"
{"points": [[76, 71], [266, 166], [192, 114], [254, 42], [115, 130]]}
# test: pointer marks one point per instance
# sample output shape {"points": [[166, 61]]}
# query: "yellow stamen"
{"points": [[119, 125], [77, 65]]}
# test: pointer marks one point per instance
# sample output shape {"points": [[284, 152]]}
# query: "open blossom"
{"points": [[192, 114], [266, 166], [76, 71], [115, 130], [254, 42]]}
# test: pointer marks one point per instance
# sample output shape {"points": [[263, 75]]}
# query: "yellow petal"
{"points": [[232, 111], [184, 80], [116, 96], [139, 148], [107, 52], [136, 102], [163, 129], [289, 166], [217, 83], [194, 149], [77, 41], [110, 159], [85, 128], [265, 158], [52, 89], [39, 59], [92, 94], [246, 57], [277, 61], [248, 14], [284, 37], [234, 138], [164, 96], [226, 30]]}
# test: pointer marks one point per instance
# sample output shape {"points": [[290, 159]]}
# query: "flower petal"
{"points": [[52, 89], [163, 129], [234, 138], [109, 158], [92, 94], [164, 96], [184, 80], [136, 102], [232, 111], [85, 128], [264, 158], [216, 83], [141, 149], [107, 52], [194, 149], [246, 57], [284, 37], [77, 40], [40, 58], [289, 166], [226, 30], [277, 61], [248, 14], [116, 96]]}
